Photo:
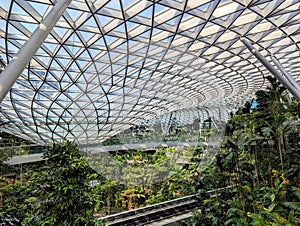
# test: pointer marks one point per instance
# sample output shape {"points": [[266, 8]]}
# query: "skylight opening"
{"points": [[16, 9], [165, 15], [147, 13], [5, 5], [39, 7], [204, 7], [103, 19], [137, 8], [113, 4], [225, 9]]}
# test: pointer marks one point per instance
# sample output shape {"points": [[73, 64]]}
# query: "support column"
{"points": [[285, 73], [262, 59], [19, 62]]}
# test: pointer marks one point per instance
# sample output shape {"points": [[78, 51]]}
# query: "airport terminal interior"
{"points": [[149, 112]]}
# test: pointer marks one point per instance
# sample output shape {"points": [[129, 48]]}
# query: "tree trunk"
{"points": [[280, 141]]}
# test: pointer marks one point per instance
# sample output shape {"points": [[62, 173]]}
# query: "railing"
{"points": [[216, 135], [157, 212], [149, 214], [20, 149]]}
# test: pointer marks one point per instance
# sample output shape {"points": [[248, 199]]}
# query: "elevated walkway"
{"points": [[150, 214], [163, 213], [95, 149]]}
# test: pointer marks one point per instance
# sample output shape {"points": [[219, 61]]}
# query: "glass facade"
{"points": [[109, 65]]}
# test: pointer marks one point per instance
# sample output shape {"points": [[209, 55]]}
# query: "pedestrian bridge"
{"points": [[33, 153], [163, 213]]}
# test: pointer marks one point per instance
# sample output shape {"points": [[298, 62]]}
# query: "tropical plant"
{"points": [[63, 189], [260, 160]]}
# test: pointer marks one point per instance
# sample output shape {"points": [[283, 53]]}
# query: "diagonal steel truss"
{"points": [[110, 64]]}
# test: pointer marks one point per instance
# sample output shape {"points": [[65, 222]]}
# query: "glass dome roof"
{"points": [[110, 64]]}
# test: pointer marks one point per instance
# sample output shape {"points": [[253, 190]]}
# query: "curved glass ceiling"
{"points": [[108, 65]]}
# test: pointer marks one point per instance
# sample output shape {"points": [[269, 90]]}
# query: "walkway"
{"points": [[162, 213], [94, 149]]}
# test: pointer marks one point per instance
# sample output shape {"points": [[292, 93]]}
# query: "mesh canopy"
{"points": [[109, 65]]}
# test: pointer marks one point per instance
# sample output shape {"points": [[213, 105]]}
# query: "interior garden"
{"points": [[165, 112], [258, 160]]}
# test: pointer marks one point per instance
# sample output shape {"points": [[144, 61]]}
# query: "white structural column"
{"points": [[286, 83], [288, 77], [16, 66], [286, 74]]}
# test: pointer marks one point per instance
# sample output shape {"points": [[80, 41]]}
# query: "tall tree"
{"points": [[64, 188]]}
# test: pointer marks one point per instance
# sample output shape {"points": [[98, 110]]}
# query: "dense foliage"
{"points": [[58, 194], [258, 162], [260, 159]]}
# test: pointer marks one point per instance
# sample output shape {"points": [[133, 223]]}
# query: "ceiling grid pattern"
{"points": [[110, 64]]}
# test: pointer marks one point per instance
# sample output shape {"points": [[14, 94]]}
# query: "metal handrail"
{"points": [[158, 207]]}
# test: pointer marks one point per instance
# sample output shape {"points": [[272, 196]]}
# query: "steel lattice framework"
{"points": [[111, 64]]}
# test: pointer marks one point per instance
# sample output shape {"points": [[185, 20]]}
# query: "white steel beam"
{"points": [[285, 73], [16, 66], [286, 83]]}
